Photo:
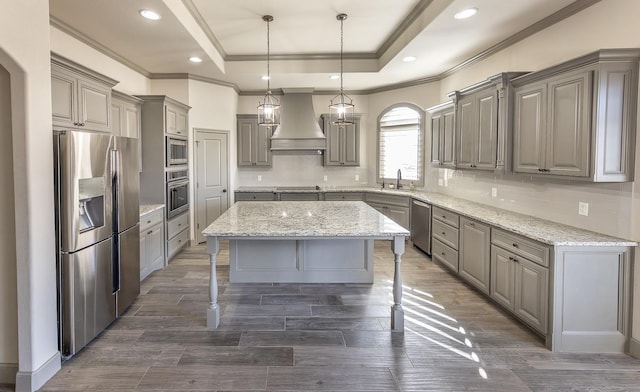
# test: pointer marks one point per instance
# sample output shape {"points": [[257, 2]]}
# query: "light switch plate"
{"points": [[494, 192], [325, 178], [259, 178], [357, 177], [583, 208]]}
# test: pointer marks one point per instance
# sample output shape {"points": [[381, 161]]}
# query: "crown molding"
{"points": [[402, 27], [57, 23], [193, 10], [185, 76]]}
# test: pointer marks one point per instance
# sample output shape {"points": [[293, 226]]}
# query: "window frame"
{"points": [[421, 145]]}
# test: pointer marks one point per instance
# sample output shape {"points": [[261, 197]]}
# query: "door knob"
{"points": [[224, 191]]}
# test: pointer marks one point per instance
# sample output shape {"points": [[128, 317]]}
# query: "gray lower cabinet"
{"points": [[343, 143], [255, 196], [151, 242], [177, 234], [80, 97], [474, 253], [517, 282], [344, 196], [299, 196], [445, 237], [443, 134], [394, 207], [253, 142], [578, 118]]}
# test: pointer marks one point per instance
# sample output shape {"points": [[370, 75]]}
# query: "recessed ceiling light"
{"points": [[466, 13], [195, 59], [149, 14], [409, 59], [334, 77], [265, 77]]}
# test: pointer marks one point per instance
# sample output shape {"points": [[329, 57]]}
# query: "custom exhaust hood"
{"points": [[299, 128]]}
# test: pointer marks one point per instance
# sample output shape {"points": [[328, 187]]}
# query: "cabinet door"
{"points": [[436, 121], [262, 148], [487, 133], [569, 125], [117, 114], [351, 145], [155, 247], [131, 122], [94, 106], [529, 128], [171, 119], [144, 261], [448, 138], [245, 134], [531, 293], [333, 154], [181, 124], [63, 98], [502, 277], [400, 215], [474, 261], [467, 125]]}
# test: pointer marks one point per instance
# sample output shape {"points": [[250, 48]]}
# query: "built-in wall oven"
{"points": [[177, 151], [177, 192]]}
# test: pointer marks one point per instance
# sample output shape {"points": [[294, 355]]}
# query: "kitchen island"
{"points": [[303, 242]]}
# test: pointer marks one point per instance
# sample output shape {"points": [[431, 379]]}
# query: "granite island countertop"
{"points": [[303, 219], [545, 231], [149, 208]]}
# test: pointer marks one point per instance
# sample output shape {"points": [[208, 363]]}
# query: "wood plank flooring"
{"points": [[309, 337]]}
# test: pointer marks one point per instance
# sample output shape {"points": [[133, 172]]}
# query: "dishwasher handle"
{"points": [[421, 204]]}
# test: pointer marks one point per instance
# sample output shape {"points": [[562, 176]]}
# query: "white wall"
{"points": [[613, 208], [286, 165], [8, 277], [25, 53]]}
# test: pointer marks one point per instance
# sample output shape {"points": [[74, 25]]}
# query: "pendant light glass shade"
{"points": [[269, 108], [341, 106]]}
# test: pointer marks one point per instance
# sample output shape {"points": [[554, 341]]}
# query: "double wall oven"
{"points": [[177, 192]]}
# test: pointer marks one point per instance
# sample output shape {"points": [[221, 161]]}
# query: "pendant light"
{"points": [[341, 106], [269, 108]]}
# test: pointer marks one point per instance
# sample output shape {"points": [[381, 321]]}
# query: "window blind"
{"points": [[400, 144]]}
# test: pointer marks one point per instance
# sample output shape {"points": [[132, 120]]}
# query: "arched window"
{"points": [[401, 144]]}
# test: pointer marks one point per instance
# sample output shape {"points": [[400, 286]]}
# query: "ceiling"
{"points": [[231, 37]]}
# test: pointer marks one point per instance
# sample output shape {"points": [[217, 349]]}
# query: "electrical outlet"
{"points": [[357, 177], [259, 178], [325, 178], [494, 192], [583, 208], [440, 182]]}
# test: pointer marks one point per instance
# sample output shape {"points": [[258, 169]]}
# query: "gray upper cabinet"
{"points": [[442, 134], [175, 119], [343, 143], [80, 97], [478, 130], [578, 118], [253, 142], [474, 253], [126, 118]]}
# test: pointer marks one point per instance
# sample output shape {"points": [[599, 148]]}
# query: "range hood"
{"points": [[299, 127]]}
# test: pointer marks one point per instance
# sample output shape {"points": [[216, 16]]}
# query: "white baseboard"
{"points": [[634, 348], [8, 373], [34, 380]]}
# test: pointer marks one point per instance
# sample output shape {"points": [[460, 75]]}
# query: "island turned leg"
{"points": [[213, 311], [397, 314]]}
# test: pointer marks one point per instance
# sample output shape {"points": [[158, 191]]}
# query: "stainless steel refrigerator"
{"points": [[98, 238]]}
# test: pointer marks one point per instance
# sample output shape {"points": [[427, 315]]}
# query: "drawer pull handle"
{"points": [[515, 245], [443, 233], [443, 254], [179, 224], [444, 217], [148, 221], [149, 232]]}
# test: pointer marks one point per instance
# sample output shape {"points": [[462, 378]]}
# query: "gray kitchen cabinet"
{"points": [[520, 278], [474, 253], [175, 119], [255, 196], [151, 242], [477, 131], [578, 118], [126, 118], [253, 142], [443, 134], [80, 97], [445, 237], [394, 207], [177, 234], [299, 196], [344, 196], [343, 143]]}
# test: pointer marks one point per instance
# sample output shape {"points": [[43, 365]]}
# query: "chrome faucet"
{"points": [[398, 178]]}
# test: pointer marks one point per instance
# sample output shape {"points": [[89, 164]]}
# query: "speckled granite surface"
{"points": [[547, 232], [303, 219], [149, 208]]}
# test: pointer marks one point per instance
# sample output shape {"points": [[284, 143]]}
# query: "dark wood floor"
{"points": [[304, 337]]}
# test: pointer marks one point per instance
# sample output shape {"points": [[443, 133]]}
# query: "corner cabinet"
{"points": [[578, 119], [343, 142], [253, 142], [442, 134], [126, 118], [80, 97]]}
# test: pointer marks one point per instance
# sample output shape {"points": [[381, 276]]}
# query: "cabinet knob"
{"points": [[472, 224], [149, 221], [149, 232], [224, 191], [443, 233], [515, 245]]}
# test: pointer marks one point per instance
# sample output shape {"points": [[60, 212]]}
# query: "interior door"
{"points": [[212, 178]]}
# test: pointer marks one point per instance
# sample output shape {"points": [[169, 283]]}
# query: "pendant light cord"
{"points": [[341, 50], [268, 59]]}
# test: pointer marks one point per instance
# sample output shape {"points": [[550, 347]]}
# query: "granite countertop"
{"points": [[149, 208], [545, 231], [303, 219]]}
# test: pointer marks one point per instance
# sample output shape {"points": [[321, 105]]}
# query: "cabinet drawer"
{"points": [[177, 225], [254, 196], [312, 196], [446, 216], [177, 242], [352, 196], [532, 250], [402, 201], [445, 233], [444, 254], [151, 219]]}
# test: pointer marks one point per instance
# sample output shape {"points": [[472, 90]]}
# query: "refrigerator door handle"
{"points": [[115, 166]]}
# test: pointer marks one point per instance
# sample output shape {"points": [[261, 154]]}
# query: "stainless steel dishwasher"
{"points": [[421, 225]]}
